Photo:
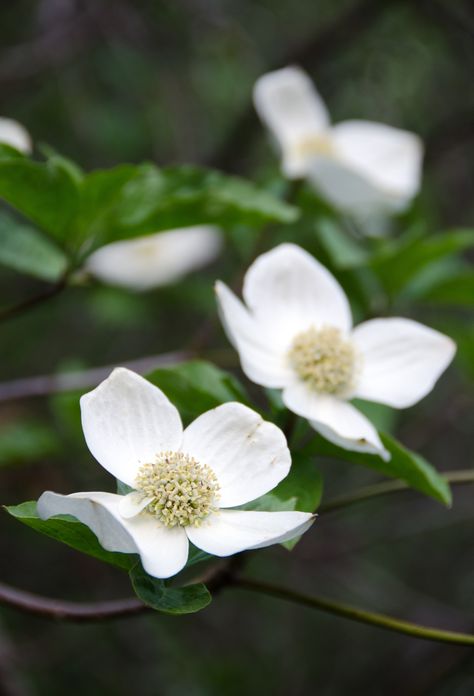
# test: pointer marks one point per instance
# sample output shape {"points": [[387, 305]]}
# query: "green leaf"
{"points": [[197, 386], [304, 483], [69, 531], [99, 195], [404, 464], [458, 290], [401, 261], [26, 250], [300, 490], [26, 441], [343, 250], [168, 600], [43, 192], [129, 201]]}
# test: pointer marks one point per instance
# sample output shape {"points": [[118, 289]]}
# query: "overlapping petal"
{"points": [[288, 103], [263, 361], [97, 510], [402, 360], [248, 455], [389, 158], [157, 259], [231, 531], [163, 551], [336, 420], [127, 421]]}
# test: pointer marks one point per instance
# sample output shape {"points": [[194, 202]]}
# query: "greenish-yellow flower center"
{"points": [[182, 491], [315, 145], [325, 359]]}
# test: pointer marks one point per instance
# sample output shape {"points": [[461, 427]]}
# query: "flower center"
{"points": [[325, 360], [183, 492], [315, 145]]}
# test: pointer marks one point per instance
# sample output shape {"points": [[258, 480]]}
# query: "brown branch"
{"points": [[43, 385], [31, 302], [71, 611]]}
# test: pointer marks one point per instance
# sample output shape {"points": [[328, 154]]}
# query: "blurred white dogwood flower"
{"points": [[14, 134], [183, 482], [156, 259], [361, 167], [296, 334]]}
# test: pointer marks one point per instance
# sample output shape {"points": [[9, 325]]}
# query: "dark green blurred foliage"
{"points": [[105, 83]]}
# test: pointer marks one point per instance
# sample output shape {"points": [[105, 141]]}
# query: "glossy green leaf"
{"points": [[26, 250], [457, 290], [129, 201], [400, 261], [69, 531], [158, 595], [404, 464], [43, 192], [197, 386]]}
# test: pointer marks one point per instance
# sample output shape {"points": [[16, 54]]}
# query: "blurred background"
{"points": [[112, 82]]}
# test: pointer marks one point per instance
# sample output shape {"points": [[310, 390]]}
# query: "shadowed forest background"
{"points": [[113, 82]]}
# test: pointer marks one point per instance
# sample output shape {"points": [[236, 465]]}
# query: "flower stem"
{"points": [[355, 614], [455, 478]]}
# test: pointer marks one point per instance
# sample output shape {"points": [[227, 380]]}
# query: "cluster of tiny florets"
{"points": [[183, 491], [324, 359], [315, 145]]}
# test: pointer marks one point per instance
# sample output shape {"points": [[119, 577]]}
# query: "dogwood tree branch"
{"points": [[355, 614], [455, 478], [44, 385], [71, 611], [31, 302], [121, 608]]}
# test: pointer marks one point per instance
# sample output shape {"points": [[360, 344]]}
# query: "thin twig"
{"points": [[70, 611], [44, 385], [463, 476], [355, 614], [31, 302]]}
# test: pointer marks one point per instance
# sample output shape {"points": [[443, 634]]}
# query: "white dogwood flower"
{"points": [[157, 259], [296, 334], [361, 167], [14, 134], [183, 482]]}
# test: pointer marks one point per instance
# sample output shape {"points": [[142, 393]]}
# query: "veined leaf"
{"points": [[197, 386], [158, 595], [403, 464], [69, 531], [26, 250]]}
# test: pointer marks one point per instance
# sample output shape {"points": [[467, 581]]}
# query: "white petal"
{"points": [[402, 360], [263, 361], [389, 157], [157, 259], [163, 551], [336, 420], [373, 167], [291, 108], [288, 291], [230, 531], [127, 421], [248, 455], [347, 190], [13, 134], [133, 504], [98, 511]]}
